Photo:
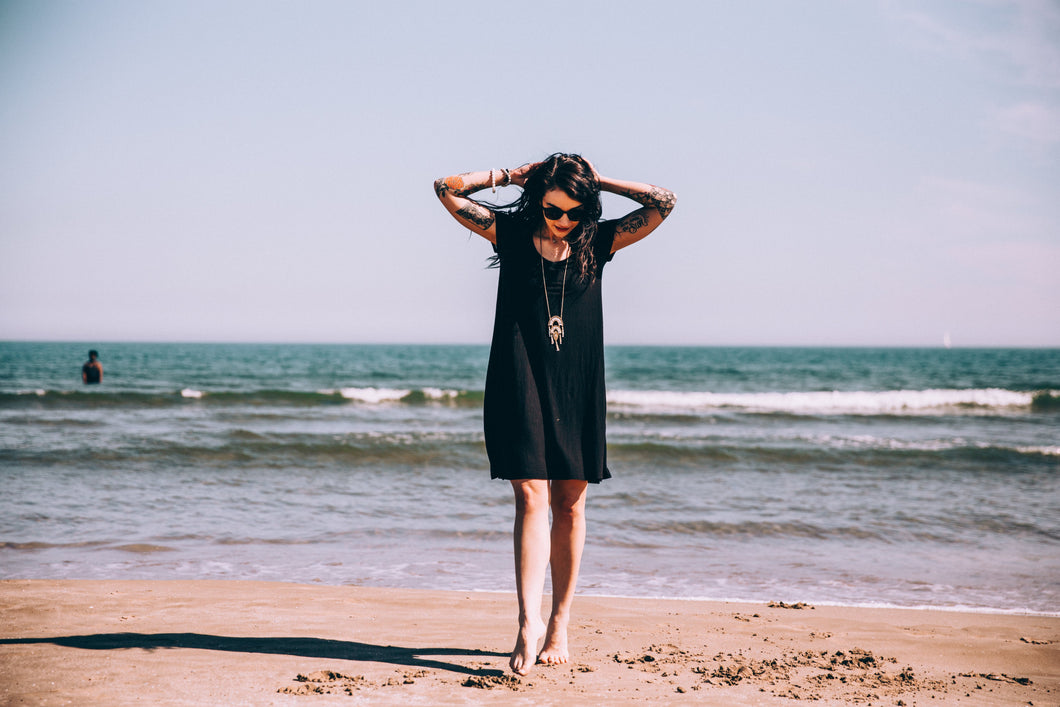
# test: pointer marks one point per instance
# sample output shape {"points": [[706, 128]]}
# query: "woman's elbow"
{"points": [[665, 201], [440, 187]]}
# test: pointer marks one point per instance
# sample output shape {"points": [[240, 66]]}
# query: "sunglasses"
{"points": [[554, 213]]}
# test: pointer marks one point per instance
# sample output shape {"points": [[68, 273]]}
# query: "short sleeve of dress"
{"points": [[605, 239], [503, 245]]}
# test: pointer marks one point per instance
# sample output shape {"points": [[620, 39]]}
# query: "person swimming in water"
{"points": [[92, 371]]}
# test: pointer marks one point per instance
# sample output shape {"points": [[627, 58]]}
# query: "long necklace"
{"points": [[555, 323]]}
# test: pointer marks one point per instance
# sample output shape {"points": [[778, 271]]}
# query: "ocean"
{"points": [[853, 476]]}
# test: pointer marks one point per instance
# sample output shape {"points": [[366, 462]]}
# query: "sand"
{"points": [[257, 643]]}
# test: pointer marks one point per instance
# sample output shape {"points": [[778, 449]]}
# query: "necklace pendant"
{"points": [[555, 321], [555, 331]]}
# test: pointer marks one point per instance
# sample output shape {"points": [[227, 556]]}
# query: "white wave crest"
{"points": [[191, 393], [927, 445], [373, 395], [1045, 451], [834, 402], [439, 393]]}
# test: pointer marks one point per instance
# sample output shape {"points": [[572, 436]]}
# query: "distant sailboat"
{"points": [[946, 340]]}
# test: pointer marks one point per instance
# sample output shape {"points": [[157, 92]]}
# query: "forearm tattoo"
{"points": [[452, 185], [479, 215], [662, 200]]}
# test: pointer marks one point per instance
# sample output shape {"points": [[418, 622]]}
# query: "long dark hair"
{"points": [[573, 175]]}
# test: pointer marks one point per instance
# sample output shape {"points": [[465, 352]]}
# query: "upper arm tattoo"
{"points": [[479, 215], [631, 223]]}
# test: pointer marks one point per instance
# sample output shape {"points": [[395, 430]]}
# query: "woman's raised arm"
{"points": [[657, 204], [453, 193]]}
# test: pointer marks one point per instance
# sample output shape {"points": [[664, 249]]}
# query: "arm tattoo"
{"points": [[631, 224], [479, 215], [440, 187], [662, 200], [452, 185]]}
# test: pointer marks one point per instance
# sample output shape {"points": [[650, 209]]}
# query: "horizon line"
{"points": [[265, 342]]}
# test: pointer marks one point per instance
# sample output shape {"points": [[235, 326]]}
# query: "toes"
{"points": [[519, 666], [551, 659]]}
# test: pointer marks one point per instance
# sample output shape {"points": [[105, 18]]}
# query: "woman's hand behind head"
{"points": [[519, 174]]}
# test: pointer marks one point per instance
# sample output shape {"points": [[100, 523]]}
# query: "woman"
{"points": [[544, 404]]}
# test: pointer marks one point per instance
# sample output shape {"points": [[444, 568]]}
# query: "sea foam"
{"points": [[826, 402], [374, 395]]}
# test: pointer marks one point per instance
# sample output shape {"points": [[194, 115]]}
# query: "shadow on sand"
{"points": [[295, 646]]}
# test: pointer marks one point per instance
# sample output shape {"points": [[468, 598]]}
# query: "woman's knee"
{"points": [[531, 495], [568, 499]]}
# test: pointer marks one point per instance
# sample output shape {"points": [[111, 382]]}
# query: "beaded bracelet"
{"points": [[493, 182], [507, 177]]}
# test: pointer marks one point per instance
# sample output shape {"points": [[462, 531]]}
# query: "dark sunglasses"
{"points": [[554, 213]]}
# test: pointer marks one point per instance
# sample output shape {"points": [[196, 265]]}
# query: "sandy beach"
{"points": [[257, 643]]}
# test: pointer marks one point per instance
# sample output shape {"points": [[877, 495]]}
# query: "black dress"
{"points": [[544, 409]]}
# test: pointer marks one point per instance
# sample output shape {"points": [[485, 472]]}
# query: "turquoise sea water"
{"points": [[912, 477]]}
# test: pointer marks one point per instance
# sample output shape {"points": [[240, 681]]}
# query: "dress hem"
{"points": [[542, 478]]}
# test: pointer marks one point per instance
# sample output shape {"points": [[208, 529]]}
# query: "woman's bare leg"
{"points": [[568, 540], [531, 557]]}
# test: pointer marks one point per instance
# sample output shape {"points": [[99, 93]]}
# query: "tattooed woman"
{"points": [[544, 403]]}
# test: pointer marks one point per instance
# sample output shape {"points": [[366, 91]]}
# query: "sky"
{"points": [[876, 173]]}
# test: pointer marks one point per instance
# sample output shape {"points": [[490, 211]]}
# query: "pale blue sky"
{"points": [[848, 173]]}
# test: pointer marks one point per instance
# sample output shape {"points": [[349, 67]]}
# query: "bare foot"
{"points": [[526, 647], [555, 650]]}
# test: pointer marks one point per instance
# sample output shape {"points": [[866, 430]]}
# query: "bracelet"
{"points": [[493, 182], [507, 177]]}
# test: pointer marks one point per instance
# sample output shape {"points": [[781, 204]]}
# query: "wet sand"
{"points": [[236, 642]]}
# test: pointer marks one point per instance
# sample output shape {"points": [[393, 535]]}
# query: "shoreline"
{"points": [[952, 608], [246, 642], [956, 609]]}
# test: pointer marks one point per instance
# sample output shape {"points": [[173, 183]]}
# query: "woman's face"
{"points": [[552, 203]]}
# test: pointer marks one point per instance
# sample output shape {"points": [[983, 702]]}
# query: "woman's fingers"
{"points": [[592, 167], [520, 173]]}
